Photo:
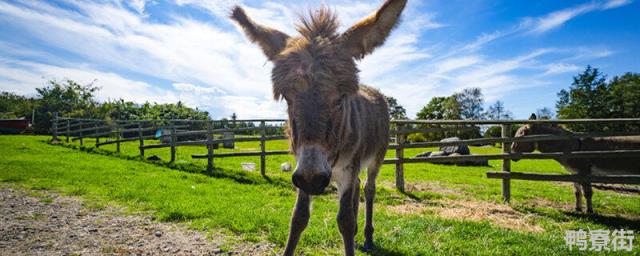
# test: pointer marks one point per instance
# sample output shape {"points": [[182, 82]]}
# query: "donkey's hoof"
{"points": [[578, 209], [367, 247]]}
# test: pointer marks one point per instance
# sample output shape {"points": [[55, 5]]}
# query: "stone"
{"points": [[154, 158], [460, 149], [424, 154], [285, 167]]}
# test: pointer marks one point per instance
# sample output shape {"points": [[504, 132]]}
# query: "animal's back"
{"points": [[602, 166], [375, 119]]}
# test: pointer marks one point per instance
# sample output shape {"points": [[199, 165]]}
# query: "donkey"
{"points": [[336, 125], [585, 166]]}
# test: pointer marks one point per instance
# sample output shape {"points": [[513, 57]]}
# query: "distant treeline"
{"points": [[589, 96], [70, 99]]}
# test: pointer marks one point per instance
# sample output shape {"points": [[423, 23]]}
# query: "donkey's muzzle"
{"points": [[312, 185]]}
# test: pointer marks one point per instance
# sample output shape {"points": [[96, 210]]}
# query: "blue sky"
{"points": [[519, 52]]}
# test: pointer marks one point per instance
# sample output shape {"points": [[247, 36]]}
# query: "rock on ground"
{"points": [[50, 224]]}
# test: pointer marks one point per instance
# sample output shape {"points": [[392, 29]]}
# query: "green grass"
{"points": [[246, 205]]}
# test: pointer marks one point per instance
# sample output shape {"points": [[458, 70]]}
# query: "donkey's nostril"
{"points": [[297, 180], [322, 181]]}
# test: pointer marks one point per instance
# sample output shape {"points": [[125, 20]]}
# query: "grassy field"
{"points": [[446, 209]]}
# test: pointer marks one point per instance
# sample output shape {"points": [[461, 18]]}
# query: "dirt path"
{"points": [[58, 225]]}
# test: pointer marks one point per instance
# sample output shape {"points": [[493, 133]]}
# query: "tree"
{"points": [[497, 112], [440, 108], [15, 106], [396, 111], [67, 99], [544, 113], [625, 95], [587, 96], [470, 101]]}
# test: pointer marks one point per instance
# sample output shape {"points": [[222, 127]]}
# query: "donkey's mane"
{"points": [[322, 22], [552, 129]]}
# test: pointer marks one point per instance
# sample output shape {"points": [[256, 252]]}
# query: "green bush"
{"points": [[416, 137]]}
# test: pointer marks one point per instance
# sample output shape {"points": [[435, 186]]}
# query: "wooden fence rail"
{"points": [[120, 131], [506, 156]]}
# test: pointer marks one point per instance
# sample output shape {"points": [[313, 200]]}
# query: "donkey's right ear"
{"points": [[270, 40], [371, 32]]}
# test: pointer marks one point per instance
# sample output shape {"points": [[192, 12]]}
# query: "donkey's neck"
{"points": [[555, 145]]}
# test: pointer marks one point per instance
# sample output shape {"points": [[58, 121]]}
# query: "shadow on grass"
{"points": [[411, 195], [613, 222], [377, 250], [237, 176]]}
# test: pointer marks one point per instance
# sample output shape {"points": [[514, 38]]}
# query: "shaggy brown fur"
{"points": [[596, 166], [336, 125]]}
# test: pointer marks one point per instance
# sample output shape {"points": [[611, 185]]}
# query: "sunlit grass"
{"points": [[246, 205]]}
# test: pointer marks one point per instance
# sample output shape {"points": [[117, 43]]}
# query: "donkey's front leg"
{"points": [[577, 191], [588, 193], [299, 221], [347, 219]]}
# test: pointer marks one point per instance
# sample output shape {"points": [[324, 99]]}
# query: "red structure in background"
{"points": [[13, 126]]}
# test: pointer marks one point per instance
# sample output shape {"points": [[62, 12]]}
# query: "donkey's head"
{"points": [[527, 147], [315, 73]]}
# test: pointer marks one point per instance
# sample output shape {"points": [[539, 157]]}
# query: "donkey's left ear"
{"points": [[270, 40], [371, 32], [533, 117]]}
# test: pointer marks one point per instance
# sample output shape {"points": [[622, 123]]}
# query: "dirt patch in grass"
{"points": [[50, 224], [432, 187], [498, 214]]}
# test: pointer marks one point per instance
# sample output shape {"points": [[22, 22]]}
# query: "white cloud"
{"points": [[560, 68], [615, 4], [558, 18], [186, 87], [23, 77], [137, 5], [208, 65]]}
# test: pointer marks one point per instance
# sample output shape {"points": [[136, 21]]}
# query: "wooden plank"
{"points": [[141, 140], [399, 164], [238, 154], [499, 122], [263, 160], [68, 131], [174, 140], [219, 131], [435, 129], [506, 163], [130, 139], [209, 156], [611, 179], [559, 155]]}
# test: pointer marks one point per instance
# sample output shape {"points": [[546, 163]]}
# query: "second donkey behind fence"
{"points": [[584, 166]]}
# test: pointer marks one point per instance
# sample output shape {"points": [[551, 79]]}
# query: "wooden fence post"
{"points": [[210, 167], [399, 157], [55, 127], [263, 155], [141, 140], [80, 133], [118, 136], [173, 142], [506, 163], [95, 133], [68, 130]]}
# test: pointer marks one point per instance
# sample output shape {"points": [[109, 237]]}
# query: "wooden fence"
{"points": [[180, 133], [207, 133], [506, 156]]}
